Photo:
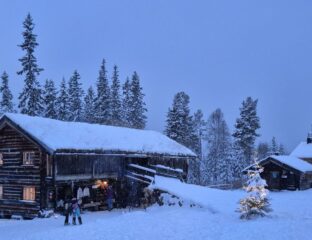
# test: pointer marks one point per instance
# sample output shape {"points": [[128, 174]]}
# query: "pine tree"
{"points": [[6, 103], [199, 125], [246, 129], [62, 107], [137, 105], [116, 99], [30, 99], [197, 133], [49, 100], [126, 105], [274, 147], [217, 167], [89, 103], [179, 121], [281, 149], [238, 163], [263, 150], [103, 98], [75, 94], [256, 203]]}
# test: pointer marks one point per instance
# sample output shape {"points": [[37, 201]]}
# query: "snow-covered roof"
{"points": [[303, 150], [60, 135], [293, 162]]}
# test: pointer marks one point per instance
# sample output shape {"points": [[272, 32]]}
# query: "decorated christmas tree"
{"points": [[256, 202]]}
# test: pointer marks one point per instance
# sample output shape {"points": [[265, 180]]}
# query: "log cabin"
{"points": [[289, 172], [45, 161]]}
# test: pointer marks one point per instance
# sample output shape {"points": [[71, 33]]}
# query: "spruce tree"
{"points": [[62, 107], [217, 166], [263, 150], [274, 147], [49, 100], [197, 134], [75, 94], [238, 163], [30, 99], [6, 102], [137, 105], [281, 149], [246, 128], [179, 120], [256, 203], [199, 125], [116, 99], [103, 98], [126, 105], [89, 103]]}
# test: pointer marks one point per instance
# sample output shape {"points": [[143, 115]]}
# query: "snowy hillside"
{"points": [[291, 219]]}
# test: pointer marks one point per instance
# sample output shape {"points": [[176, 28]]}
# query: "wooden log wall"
{"points": [[14, 175], [89, 166]]}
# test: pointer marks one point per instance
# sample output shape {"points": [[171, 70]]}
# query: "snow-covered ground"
{"points": [[291, 219]]}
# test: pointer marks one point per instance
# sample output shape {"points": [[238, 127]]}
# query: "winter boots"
{"points": [[79, 220]]}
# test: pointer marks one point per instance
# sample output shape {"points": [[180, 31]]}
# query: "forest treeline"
{"points": [[222, 155]]}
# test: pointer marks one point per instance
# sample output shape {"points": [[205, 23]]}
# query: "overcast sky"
{"points": [[219, 52]]}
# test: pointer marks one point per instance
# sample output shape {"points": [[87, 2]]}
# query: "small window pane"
{"points": [[28, 158], [1, 159], [1, 192], [29, 193]]}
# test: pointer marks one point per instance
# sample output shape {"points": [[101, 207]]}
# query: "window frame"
{"points": [[28, 194], [28, 162]]}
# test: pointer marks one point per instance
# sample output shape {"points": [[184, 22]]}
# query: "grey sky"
{"points": [[219, 52]]}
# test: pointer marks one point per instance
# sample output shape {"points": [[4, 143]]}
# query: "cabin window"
{"points": [[29, 193], [274, 174], [1, 159], [28, 158], [1, 192], [49, 166]]}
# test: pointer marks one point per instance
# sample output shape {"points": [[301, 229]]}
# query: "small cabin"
{"points": [[43, 162], [286, 173], [289, 172]]}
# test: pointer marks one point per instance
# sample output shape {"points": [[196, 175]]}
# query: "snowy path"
{"points": [[291, 219]]}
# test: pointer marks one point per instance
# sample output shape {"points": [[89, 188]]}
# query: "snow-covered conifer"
{"points": [[238, 162], [197, 133], [217, 166], [49, 100], [179, 121], [199, 127], [274, 146], [126, 105], [116, 99], [246, 128], [263, 150], [89, 104], [30, 99], [6, 97], [62, 102], [137, 105], [281, 149], [256, 203], [103, 97], [75, 94]]}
